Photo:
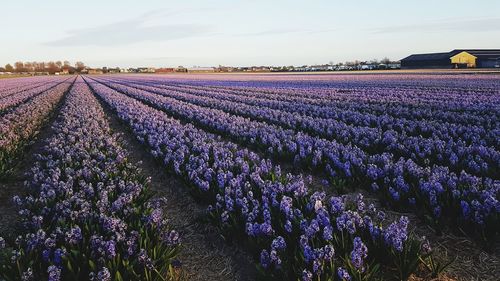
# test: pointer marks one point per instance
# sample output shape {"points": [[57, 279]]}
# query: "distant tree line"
{"points": [[50, 67]]}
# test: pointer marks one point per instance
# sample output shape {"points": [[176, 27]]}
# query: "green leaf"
{"points": [[118, 276], [92, 265]]}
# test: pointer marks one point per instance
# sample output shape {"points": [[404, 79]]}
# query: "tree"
{"points": [[67, 64], [79, 66], [59, 64], [385, 60], [53, 67], [19, 66], [28, 66], [9, 68], [40, 66]]}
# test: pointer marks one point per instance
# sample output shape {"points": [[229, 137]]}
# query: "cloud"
{"points": [[131, 31], [462, 25], [285, 31]]}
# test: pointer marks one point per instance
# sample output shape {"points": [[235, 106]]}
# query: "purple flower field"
{"points": [[316, 177]]}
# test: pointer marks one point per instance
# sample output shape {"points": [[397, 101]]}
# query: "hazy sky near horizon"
{"points": [[240, 32]]}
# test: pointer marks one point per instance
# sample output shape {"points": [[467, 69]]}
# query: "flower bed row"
{"points": [[294, 234], [463, 199], [26, 94], [88, 213], [467, 106], [470, 134], [20, 125], [13, 86], [478, 160], [445, 131]]}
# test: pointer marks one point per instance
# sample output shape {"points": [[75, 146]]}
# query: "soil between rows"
{"points": [[204, 255]]}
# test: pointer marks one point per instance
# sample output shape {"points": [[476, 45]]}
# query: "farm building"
{"points": [[460, 58], [201, 69]]}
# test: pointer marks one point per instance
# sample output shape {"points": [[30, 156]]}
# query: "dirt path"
{"points": [[205, 255]]}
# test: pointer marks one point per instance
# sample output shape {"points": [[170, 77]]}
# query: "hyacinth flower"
{"points": [[291, 231], [401, 181], [373, 140], [88, 213]]}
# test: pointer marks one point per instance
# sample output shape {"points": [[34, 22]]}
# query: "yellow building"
{"points": [[463, 59]]}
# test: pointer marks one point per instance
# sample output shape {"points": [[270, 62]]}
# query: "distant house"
{"points": [[200, 69], [460, 58], [95, 71], [165, 70], [181, 69], [260, 69], [146, 70]]}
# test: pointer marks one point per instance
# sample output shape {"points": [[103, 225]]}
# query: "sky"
{"points": [[169, 33]]}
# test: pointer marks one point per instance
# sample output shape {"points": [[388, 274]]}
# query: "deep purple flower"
{"points": [[358, 254], [104, 275], [265, 259], [307, 275], [278, 243], [343, 274], [54, 273]]}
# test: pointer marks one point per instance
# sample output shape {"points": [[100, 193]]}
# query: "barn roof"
{"points": [[427, 57], [482, 53]]}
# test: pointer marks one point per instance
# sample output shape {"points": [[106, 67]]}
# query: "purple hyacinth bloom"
{"points": [[358, 254], [288, 226], [104, 275], [27, 275], [278, 243], [265, 259], [343, 274], [307, 275], [173, 238], [58, 255], [396, 234], [54, 273]]}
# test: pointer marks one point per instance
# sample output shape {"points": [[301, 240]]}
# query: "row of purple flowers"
{"points": [[470, 134], [87, 214], [25, 95], [293, 232], [10, 87], [464, 199], [18, 126], [459, 107], [475, 159]]}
